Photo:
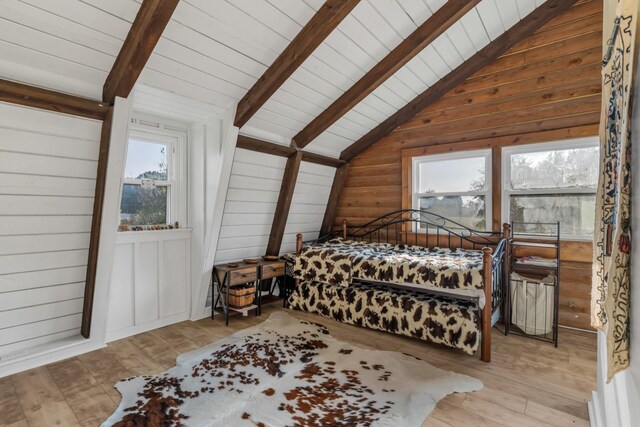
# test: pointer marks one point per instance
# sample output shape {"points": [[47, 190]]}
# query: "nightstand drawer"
{"points": [[243, 275], [270, 271]]}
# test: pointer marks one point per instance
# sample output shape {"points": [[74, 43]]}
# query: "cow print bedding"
{"points": [[434, 319], [338, 261]]}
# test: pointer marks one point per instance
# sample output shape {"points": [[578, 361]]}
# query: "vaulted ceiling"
{"points": [[213, 51]]}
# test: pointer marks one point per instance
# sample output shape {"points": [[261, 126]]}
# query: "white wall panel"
{"points": [[308, 204], [250, 205], [150, 282], [47, 178]]}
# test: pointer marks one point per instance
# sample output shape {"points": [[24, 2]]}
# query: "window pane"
{"points": [[576, 168], [576, 212], [466, 210], [146, 160], [455, 175], [142, 206]]}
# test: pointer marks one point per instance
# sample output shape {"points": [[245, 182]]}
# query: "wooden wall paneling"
{"points": [[415, 43], [30, 96], [518, 32], [285, 197], [332, 205], [96, 223], [301, 47], [151, 20]]}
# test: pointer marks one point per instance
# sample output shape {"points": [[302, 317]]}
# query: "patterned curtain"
{"points": [[612, 240]]}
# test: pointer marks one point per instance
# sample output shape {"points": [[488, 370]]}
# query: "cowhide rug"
{"points": [[287, 372]]}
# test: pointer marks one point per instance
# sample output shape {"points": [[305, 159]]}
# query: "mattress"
{"points": [[339, 261], [430, 318]]}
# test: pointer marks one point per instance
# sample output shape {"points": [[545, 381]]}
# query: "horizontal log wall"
{"points": [[545, 88]]}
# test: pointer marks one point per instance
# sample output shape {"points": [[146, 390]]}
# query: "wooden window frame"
{"points": [[494, 188]]}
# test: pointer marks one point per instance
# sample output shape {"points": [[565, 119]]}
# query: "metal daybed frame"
{"points": [[426, 229]]}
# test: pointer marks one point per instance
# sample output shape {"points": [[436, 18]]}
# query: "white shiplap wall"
{"points": [[251, 202], [47, 179], [308, 204]]}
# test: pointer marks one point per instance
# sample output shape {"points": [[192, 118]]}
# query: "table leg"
{"points": [[226, 304], [259, 309]]}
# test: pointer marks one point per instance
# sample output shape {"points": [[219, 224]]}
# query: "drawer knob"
{"points": [[244, 274]]}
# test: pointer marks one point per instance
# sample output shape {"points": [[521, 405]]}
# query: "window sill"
{"points": [[153, 235]]}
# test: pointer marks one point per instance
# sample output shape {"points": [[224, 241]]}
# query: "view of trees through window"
{"points": [[145, 194], [469, 211], [542, 186], [553, 186], [467, 187]]}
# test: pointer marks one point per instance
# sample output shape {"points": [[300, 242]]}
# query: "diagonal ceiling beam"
{"points": [[254, 144], [520, 31], [301, 47], [283, 206], [150, 22], [426, 33]]}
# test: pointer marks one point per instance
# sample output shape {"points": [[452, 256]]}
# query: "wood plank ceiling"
{"points": [[215, 50]]}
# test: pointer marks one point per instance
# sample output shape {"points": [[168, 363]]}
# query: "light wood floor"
{"points": [[528, 383]]}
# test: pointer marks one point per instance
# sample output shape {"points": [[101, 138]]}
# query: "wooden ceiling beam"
{"points": [[30, 96], [301, 47], [146, 30], [485, 56], [254, 144], [289, 179], [426, 33], [96, 224]]}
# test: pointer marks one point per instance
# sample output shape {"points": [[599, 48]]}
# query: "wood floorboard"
{"points": [[520, 388]]}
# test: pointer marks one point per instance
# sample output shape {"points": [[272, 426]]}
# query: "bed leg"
{"points": [[344, 229], [485, 349]]}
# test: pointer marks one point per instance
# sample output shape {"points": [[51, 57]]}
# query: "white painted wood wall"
{"points": [[48, 166], [251, 203], [150, 282]]}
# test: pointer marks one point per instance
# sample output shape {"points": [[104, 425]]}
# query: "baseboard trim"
{"points": [[53, 352], [145, 327], [595, 410]]}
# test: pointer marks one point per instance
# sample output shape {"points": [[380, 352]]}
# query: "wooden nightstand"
{"points": [[224, 277], [272, 271]]}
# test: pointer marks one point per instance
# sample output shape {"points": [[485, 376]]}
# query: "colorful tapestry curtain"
{"points": [[612, 240]]}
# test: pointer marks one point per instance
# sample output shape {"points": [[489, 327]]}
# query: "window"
{"points": [[151, 191], [552, 182], [456, 186]]}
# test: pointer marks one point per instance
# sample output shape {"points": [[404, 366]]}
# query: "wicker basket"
{"points": [[241, 296]]}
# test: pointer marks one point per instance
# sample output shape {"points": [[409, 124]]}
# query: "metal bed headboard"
{"points": [[409, 225]]}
